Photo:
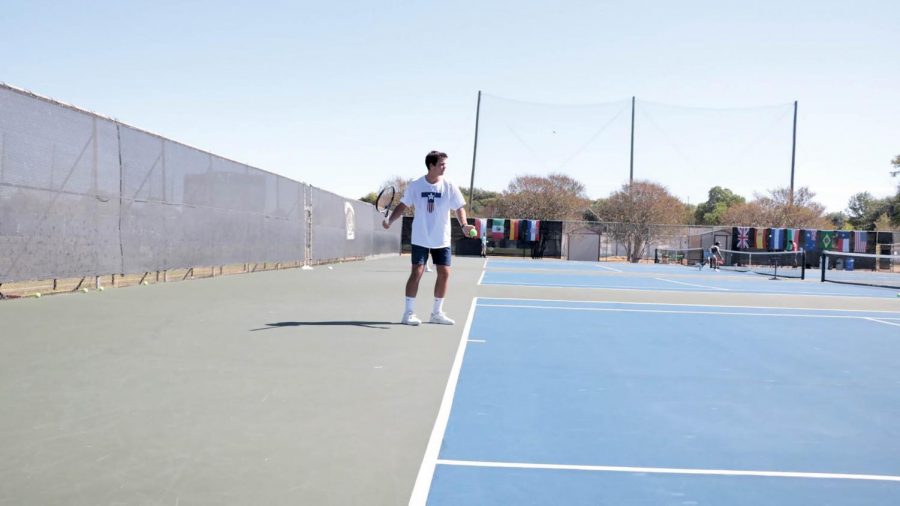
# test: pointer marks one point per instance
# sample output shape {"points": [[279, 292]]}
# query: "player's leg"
{"points": [[419, 255], [441, 259]]}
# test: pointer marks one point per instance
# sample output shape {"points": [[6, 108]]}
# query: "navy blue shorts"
{"points": [[439, 256]]}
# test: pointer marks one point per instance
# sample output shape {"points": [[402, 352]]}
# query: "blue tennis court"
{"points": [[662, 277], [563, 402]]}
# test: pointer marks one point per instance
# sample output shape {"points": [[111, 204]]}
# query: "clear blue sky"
{"points": [[344, 95]]}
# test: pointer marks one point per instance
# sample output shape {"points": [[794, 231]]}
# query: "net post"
{"points": [[474, 152], [802, 264], [631, 158], [793, 153], [822, 260], [656, 256]]}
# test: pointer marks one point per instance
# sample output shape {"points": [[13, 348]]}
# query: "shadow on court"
{"points": [[340, 323]]}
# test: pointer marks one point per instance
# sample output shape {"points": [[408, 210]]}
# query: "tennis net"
{"points": [[785, 264], [861, 269], [682, 256]]}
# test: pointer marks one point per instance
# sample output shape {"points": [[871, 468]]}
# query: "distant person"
{"points": [[484, 244], [433, 197], [715, 256]]}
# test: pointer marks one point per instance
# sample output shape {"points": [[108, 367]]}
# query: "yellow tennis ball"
{"points": [[473, 232], [85, 290], [37, 295], [145, 283], [100, 288]]}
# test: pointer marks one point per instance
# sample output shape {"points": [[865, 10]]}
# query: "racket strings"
{"points": [[385, 199]]}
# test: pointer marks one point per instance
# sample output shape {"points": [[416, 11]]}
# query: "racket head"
{"points": [[385, 200]]}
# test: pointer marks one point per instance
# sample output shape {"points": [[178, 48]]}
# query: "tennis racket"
{"points": [[385, 201]]}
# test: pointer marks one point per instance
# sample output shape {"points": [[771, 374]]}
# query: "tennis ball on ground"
{"points": [[85, 290], [37, 295], [145, 283], [100, 289], [473, 232]]}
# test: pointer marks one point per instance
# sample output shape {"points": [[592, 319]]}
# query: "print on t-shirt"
{"points": [[431, 196]]}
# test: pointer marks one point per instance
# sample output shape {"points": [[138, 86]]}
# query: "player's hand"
{"points": [[467, 230]]}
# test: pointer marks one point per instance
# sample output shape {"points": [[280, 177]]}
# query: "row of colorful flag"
{"points": [[498, 229], [794, 239]]}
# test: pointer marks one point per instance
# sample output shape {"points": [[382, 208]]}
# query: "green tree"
{"points": [[883, 223], [839, 220], [864, 209], [777, 209], [483, 202], [636, 209], [800, 212], [713, 210], [554, 197]]}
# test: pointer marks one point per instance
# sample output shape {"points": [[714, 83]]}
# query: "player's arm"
{"points": [[396, 213], [461, 216]]}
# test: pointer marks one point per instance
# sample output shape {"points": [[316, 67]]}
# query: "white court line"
{"points": [[610, 268], [672, 311], [690, 305], [884, 322], [645, 289], [481, 278], [692, 284], [477, 341], [666, 470], [429, 461]]}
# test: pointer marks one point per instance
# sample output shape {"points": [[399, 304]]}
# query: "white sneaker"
{"points": [[441, 318], [410, 318]]}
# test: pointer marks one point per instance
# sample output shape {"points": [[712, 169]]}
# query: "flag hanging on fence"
{"points": [[776, 239], [793, 240], [743, 237], [843, 241], [534, 230], [498, 226], [860, 241], [826, 240], [514, 229], [481, 226], [760, 242], [810, 242]]}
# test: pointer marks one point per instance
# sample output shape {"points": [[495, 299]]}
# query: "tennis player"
{"points": [[715, 256], [432, 197]]}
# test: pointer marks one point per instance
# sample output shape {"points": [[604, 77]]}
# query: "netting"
{"points": [[687, 149], [589, 143], [682, 256], [861, 269], [692, 149], [788, 264]]}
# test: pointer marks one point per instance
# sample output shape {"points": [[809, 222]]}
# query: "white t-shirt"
{"points": [[433, 203]]}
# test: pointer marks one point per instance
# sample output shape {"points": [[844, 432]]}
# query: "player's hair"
{"points": [[434, 157]]}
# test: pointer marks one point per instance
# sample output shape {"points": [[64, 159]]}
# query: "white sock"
{"points": [[410, 301], [438, 305]]}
